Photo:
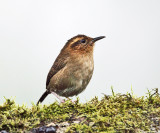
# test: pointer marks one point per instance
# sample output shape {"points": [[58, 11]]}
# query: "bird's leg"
{"points": [[61, 100]]}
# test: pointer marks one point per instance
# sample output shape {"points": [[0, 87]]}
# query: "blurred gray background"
{"points": [[32, 34]]}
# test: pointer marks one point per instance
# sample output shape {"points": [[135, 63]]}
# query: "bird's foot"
{"points": [[62, 100]]}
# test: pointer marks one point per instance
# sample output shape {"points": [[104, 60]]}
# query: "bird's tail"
{"points": [[45, 94]]}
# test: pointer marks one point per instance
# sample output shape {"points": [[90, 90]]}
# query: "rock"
{"points": [[4, 131], [50, 130], [44, 129]]}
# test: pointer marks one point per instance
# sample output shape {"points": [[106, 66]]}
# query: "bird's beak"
{"points": [[98, 38]]}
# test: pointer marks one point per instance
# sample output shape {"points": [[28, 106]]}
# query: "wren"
{"points": [[73, 68]]}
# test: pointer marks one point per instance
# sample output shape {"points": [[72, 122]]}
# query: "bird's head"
{"points": [[81, 43]]}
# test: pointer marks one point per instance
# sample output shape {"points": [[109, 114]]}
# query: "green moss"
{"points": [[116, 113]]}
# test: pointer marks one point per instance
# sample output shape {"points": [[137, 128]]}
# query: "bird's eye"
{"points": [[83, 41]]}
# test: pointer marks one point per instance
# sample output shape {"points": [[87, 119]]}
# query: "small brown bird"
{"points": [[73, 68]]}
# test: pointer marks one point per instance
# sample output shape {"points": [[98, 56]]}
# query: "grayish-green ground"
{"points": [[116, 113], [33, 32]]}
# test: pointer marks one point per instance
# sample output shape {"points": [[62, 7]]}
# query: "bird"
{"points": [[73, 68]]}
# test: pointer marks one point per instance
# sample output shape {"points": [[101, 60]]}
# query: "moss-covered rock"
{"points": [[116, 113]]}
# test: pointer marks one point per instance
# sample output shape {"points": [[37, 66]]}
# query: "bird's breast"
{"points": [[73, 78], [79, 75], [82, 71], [82, 67]]}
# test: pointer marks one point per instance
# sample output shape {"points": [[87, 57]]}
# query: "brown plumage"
{"points": [[73, 68]]}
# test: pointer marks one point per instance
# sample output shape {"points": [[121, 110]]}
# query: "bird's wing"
{"points": [[59, 63]]}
